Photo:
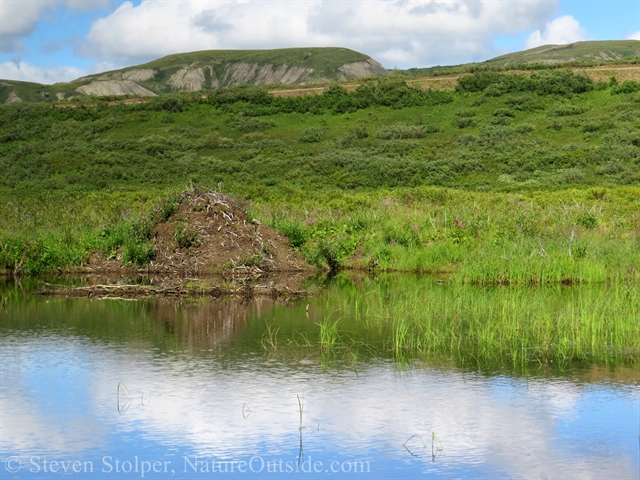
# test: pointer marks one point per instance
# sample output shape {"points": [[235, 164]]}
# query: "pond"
{"points": [[373, 377]]}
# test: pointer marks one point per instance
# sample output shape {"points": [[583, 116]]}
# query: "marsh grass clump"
{"points": [[295, 231], [129, 236], [139, 254], [328, 336]]}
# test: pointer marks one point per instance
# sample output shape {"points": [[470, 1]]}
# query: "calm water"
{"points": [[164, 389]]}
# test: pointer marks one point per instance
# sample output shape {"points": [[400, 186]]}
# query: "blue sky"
{"points": [[58, 40]]}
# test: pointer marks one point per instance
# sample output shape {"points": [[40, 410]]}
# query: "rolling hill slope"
{"points": [[593, 52]]}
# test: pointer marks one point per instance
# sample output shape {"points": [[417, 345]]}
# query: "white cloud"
{"points": [[18, 18], [505, 425], [560, 31], [635, 36], [405, 33], [25, 72]]}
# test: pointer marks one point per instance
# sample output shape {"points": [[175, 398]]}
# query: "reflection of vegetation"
{"points": [[269, 340], [405, 318]]}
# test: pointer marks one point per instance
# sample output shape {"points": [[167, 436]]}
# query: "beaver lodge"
{"points": [[206, 233], [210, 232]]}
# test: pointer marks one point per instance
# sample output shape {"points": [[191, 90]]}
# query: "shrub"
{"points": [[567, 110], [166, 103], [496, 89], [358, 132], [504, 121], [588, 221], [591, 127], [492, 135], [312, 135], [216, 141], [249, 124], [525, 103], [524, 128], [399, 131], [628, 86], [464, 140], [597, 124], [495, 84], [465, 113], [463, 122], [504, 112]]}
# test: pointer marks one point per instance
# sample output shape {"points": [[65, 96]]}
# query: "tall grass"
{"points": [[522, 327]]}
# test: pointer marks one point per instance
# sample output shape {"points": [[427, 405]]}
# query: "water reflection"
{"points": [[199, 389]]}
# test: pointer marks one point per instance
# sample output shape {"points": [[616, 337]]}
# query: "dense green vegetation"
{"points": [[511, 178]]}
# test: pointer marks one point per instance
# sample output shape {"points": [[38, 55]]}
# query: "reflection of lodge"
{"points": [[201, 325]]}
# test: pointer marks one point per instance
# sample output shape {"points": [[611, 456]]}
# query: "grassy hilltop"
{"points": [[510, 178], [591, 53]]}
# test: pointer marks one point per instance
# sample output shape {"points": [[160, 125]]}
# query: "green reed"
{"points": [[329, 336], [487, 325]]}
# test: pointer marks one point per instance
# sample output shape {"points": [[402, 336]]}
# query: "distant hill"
{"points": [[593, 52], [208, 69]]}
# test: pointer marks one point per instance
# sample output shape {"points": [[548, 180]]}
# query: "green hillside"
{"points": [[592, 53], [324, 61], [511, 178], [33, 92]]}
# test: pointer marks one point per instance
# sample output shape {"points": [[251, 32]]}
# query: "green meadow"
{"points": [[511, 179]]}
